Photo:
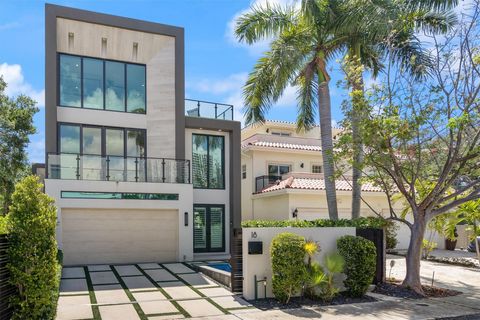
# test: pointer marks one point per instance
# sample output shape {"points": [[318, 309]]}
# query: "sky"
{"points": [[216, 65]]}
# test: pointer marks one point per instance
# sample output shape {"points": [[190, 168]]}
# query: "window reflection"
{"points": [[115, 86], [70, 75], [92, 83], [208, 161], [136, 88]]}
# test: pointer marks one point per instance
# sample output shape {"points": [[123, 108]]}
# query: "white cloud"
{"points": [[263, 45], [12, 74]]}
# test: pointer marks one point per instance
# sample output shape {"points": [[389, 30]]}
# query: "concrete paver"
{"points": [[110, 294], [197, 280], [178, 290], [128, 270], [145, 266], [73, 286], [160, 275], [72, 308], [103, 277], [178, 268], [138, 283], [75, 272], [154, 302], [216, 292], [99, 267], [199, 308], [167, 317], [118, 312], [231, 302]]}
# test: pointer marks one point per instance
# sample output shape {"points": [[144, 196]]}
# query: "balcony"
{"points": [[211, 110], [115, 168], [262, 182]]}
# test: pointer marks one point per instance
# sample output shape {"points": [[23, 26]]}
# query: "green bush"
{"points": [[360, 262], [33, 251], [288, 267], [3, 224], [363, 222], [391, 235]]}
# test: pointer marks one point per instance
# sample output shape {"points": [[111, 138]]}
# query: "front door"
{"points": [[208, 228]]}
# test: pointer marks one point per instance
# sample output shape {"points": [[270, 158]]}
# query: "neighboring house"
{"points": [[138, 172], [282, 178]]}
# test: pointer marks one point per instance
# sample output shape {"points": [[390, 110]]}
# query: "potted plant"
{"points": [[451, 242]]}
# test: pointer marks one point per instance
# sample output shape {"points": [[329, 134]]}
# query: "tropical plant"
{"points": [[360, 257], [32, 254], [426, 134], [304, 42], [287, 253], [334, 264], [427, 248]]}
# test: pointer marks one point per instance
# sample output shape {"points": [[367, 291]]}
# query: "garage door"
{"points": [[96, 236]]}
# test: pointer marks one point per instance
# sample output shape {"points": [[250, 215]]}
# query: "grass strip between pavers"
{"points": [[91, 293], [169, 297], [139, 310], [199, 292]]}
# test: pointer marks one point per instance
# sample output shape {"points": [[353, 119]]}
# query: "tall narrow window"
{"points": [[115, 86], [114, 148], [92, 83], [68, 163], [135, 88], [244, 171], [135, 153], [70, 81], [208, 161], [92, 151]]}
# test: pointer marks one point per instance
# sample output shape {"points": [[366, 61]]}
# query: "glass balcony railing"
{"points": [[262, 182], [115, 168], [205, 109]]}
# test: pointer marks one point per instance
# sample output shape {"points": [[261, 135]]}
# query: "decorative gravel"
{"points": [[396, 290], [298, 302]]}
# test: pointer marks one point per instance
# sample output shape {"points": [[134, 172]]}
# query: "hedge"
{"points": [[360, 257], [363, 223]]}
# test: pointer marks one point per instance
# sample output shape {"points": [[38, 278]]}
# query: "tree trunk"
{"points": [[412, 279], [327, 148]]}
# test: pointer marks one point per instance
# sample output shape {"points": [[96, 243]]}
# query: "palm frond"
{"points": [[307, 93], [434, 22], [264, 22], [431, 5]]}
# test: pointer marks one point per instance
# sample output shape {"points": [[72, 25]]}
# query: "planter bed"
{"points": [[394, 289], [298, 302]]}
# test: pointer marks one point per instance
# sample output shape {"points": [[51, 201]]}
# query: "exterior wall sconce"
{"points": [[301, 165], [186, 219], [268, 130], [295, 213]]}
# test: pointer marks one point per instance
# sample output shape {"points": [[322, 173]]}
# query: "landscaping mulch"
{"points": [[298, 302], [394, 289]]}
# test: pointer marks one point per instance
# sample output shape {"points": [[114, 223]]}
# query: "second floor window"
{"points": [[278, 169], [316, 168], [208, 161], [244, 171], [101, 84]]}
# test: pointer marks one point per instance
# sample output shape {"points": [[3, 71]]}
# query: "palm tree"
{"points": [[304, 43], [382, 30]]}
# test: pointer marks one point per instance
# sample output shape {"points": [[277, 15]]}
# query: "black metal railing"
{"points": [[205, 109], [262, 182], [116, 168]]}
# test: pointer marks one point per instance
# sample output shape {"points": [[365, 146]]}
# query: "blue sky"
{"points": [[215, 65]]}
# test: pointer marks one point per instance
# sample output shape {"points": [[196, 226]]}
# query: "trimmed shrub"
{"points": [[360, 262], [3, 224], [391, 234], [363, 223], [33, 251], [288, 268]]}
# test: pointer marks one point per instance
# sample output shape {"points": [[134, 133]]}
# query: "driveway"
{"points": [[174, 291], [142, 291]]}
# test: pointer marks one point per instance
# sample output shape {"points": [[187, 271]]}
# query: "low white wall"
{"points": [[260, 264]]}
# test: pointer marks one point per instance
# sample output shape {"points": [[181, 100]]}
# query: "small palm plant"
{"points": [[334, 264]]}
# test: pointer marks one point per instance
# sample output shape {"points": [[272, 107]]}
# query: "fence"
{"points": [[6, 290]]}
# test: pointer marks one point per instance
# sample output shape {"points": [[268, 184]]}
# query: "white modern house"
{"points": [[138, 172]]}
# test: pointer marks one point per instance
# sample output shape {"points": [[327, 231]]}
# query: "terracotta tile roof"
{"points": [[284, 145], [316, 184]]}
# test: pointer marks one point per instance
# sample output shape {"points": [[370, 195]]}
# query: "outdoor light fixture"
{"points": [[186, 219], [301, 165], [295, 213]]}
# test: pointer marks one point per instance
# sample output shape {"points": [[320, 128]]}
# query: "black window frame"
{"points": [[103, 147], [244, 171], [317, 165], [208, 231], [208, 167], [125, 63]]}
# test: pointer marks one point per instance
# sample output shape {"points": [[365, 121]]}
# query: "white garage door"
{"points": [[97, 236]]}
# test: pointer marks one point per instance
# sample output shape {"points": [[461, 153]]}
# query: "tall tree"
{"points": [[16, 124], [381, 30], [303, 44], [422, 138]]}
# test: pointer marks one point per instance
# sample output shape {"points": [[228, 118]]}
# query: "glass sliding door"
{"points": [[115, 151], [136, 153], [208, 228], [68, 166], [92, 153]]}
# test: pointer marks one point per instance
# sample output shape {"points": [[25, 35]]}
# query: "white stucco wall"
{"points": [[53, 188], [260, 265]]}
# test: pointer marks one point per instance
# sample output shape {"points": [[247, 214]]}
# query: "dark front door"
{"points": [[208, 228]]}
